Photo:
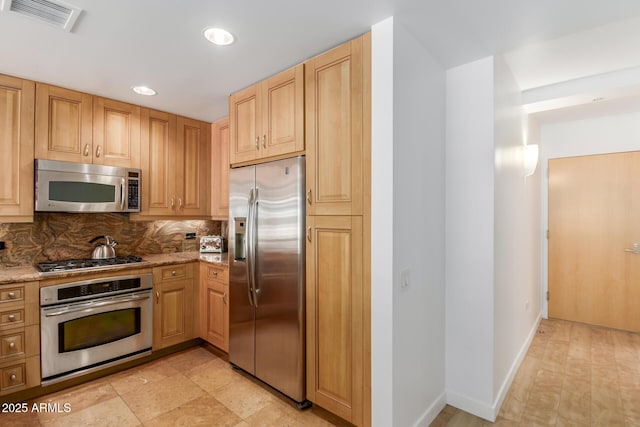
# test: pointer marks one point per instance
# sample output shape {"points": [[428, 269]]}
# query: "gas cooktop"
{"points": [[76, 264]]}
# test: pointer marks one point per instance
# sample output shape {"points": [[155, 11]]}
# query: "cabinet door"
{"points": [[245, 112], [193, 171], [158, 145], [220, 170], [116, 133], [64, 124], [334, 130], [283, 113], [173, 311], [214, 308], [17, 98], [335, 322]]}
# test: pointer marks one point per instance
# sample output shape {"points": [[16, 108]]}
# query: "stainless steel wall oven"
{"points": [[91, 324]]}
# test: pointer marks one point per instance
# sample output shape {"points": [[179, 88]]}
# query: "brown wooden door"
{"points": [[594, 216], [214, 308], [64, 124], [283, 113], [193, 186], [334, 294], [17, 98], [245, 112], [334, 130], [173, 311], [158, 141], [116, 133], [220, 170]]}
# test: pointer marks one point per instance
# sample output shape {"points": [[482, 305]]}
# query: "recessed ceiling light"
{"points": [[144, 90], [218, 36]]}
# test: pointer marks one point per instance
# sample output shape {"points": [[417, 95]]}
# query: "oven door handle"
{"points": [[96, 304]]}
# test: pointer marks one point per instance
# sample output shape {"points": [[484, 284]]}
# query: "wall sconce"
{"points": [[530, 159]]}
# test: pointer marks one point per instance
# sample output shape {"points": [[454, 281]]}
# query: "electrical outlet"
{"points": [[405, 278], [190, 236]]}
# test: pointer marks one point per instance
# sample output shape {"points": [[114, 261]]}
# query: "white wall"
{"points": [[606, 133], [408, 367], [516, 236], [418, 231], [469, 159], [382, 223]]}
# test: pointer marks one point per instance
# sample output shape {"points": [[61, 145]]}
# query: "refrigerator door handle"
{"points": [[254, 227], [249, 260]]}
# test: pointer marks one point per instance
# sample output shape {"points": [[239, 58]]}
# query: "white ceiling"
{"points": [[120, 43]]}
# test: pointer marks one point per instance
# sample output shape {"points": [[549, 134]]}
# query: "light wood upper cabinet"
{"points": [[175, 166], [116, 133], [193, 178], [77, 127], [220, 169], [64, 124], [158, 146], [334, 130], [17, 99], [267, 119]]}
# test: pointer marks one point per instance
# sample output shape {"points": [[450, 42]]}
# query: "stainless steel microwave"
{"points": [[80, 187]]}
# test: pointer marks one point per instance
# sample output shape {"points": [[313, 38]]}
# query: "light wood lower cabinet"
{"points": [[19, 337], [17, 98], [335, 315], [214, 305], [174, 311]]}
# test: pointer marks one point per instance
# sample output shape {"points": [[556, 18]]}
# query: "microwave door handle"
{"points": [[122, 184]]}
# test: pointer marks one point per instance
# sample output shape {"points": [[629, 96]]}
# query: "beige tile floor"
{"points": [[572, 375], [191, 388]]}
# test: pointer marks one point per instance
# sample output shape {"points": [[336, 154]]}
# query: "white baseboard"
{"points": [[472, 406], [481, 409], [432, 412], [497, 404]]}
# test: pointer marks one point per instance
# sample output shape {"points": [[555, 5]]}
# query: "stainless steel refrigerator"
{"points": [[266, 274]]}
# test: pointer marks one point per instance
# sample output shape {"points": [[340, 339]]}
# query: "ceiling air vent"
{"points": [[56, 13]]}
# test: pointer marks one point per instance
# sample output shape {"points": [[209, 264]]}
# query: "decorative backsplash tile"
{"points": [[54, 236]]}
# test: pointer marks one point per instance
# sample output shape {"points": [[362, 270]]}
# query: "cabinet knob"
{"points": [[180, 204], [309, 196], [86, 150], [98, 151], [264, 141], [309, 233], [157, 297], [13, 377], [215, 273], [257, 142], [11, 295], [12, 345], [173, 203], [173, 273], [12, 318], [224, 298]]}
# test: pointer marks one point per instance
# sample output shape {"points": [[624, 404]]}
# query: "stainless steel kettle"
{"points": [[106, 250]]}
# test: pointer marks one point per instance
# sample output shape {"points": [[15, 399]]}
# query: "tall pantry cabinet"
{"points": [[337, 129]]}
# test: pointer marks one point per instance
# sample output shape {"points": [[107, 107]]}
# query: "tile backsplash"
{"points": [[54, 236]]}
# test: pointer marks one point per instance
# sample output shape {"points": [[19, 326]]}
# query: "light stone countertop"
{"points": [[31, 274]]}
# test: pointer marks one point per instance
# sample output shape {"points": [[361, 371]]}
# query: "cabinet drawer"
{"points": [[176, 272], [12, 318], [216, 273], [11, 294], [11, 344], [13, 376]]}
